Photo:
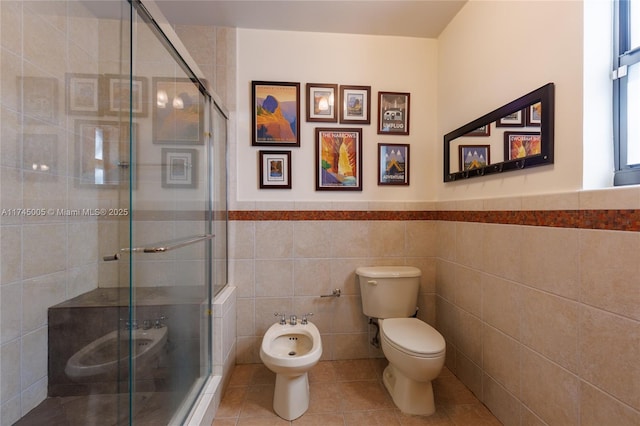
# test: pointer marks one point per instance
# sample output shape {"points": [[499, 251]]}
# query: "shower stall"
{"points": [[114, 218]]}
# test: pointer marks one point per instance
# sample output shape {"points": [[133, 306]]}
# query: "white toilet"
{"points": [[414, 349]]}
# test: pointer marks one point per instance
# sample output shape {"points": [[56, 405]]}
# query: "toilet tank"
{"points": [[389, 291]]}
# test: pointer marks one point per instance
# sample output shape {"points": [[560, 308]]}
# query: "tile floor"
{"points": [[345, 393]]}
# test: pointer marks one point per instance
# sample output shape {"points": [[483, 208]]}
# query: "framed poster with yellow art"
{"points": [[338, 159]]}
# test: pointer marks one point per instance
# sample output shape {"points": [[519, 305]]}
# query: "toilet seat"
{"points": [[413, 337]]}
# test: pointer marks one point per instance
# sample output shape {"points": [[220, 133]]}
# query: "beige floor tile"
{"points": [[258, 402], [346, 393], [324, 371], [364, 395], [471, 414], [357, 369], [319, 420], [371, 418]]}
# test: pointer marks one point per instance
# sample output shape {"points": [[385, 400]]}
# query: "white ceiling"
{"points": [[415, 18]]}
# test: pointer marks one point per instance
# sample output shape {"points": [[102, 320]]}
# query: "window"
{"points": [[627, 92]]}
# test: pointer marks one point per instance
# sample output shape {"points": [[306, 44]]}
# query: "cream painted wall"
{"points": [[495, 51], [385, 63]]}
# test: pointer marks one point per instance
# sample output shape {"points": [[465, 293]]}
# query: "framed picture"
{"points": [[179, 167], [102, 152], [480, 131], [83, 94], [38, 99], [275, 169], [534, 115], [122, 94], [178, 116], [474, 156], [321, 101], [521, 144], [393, 164], [393, 113], [40, 154], [356, 107], [339, 159], [515, 119], [276, 113]]}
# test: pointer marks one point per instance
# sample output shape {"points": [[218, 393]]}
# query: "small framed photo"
{"points": [[534, 115], [521, 144], [474, 156], [40, 154], [122, 94], [515, 119], [480, 131], [356, 105], [179, 167], [338, 159], [38, 99], [102, 152], [275, 169], [393, 113], [178, 112], [276, 113], [83, 94], [321, 101], [393, 164]]}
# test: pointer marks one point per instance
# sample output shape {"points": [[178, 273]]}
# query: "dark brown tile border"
{"points": [[614, 220]]}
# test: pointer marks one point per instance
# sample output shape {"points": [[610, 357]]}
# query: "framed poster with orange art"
{"points": [[276, 113], [521, 144], [338, 159]]}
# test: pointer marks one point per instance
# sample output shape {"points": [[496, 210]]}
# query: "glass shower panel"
{"points": [[170, 247], [219, 189]]}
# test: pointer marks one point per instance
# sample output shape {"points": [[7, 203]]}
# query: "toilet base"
{"points": [[410, 396], [291, 396]]}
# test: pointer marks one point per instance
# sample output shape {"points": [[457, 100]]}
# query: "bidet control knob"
{"points": [[158, 323], [283, 318], [304, 317]]}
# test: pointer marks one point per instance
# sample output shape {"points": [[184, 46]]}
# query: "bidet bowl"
{"points": [[102, 356], [291, 349]]}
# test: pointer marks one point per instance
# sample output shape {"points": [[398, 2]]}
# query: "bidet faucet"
{"points": [[283, 318], [304, 318], [293, 320], [158, 322]]}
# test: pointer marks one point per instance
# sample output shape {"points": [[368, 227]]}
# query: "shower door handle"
{"points": [[162, 247], [173, 244]]}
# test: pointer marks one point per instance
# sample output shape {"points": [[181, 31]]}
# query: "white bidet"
{"points": [[290, 350], [103, 356]]}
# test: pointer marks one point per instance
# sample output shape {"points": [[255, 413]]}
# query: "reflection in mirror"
{"points": [[515, 136]]}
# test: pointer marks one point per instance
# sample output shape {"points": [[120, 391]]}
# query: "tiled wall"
{"points": [[286, 265], [45, 259], [542, 322]]}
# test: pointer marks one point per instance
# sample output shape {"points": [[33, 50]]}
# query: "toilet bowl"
{"points": [[290, 351], [414, 349], [416, 355], [102, 357]]}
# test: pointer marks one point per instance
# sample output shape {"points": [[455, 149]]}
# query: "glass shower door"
{"points": [[170, 230]]}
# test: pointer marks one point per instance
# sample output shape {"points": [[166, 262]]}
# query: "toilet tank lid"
{"points": [[388, 271]]}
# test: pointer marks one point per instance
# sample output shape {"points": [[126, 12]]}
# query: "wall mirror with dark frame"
{"points": [[516, 136]]}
